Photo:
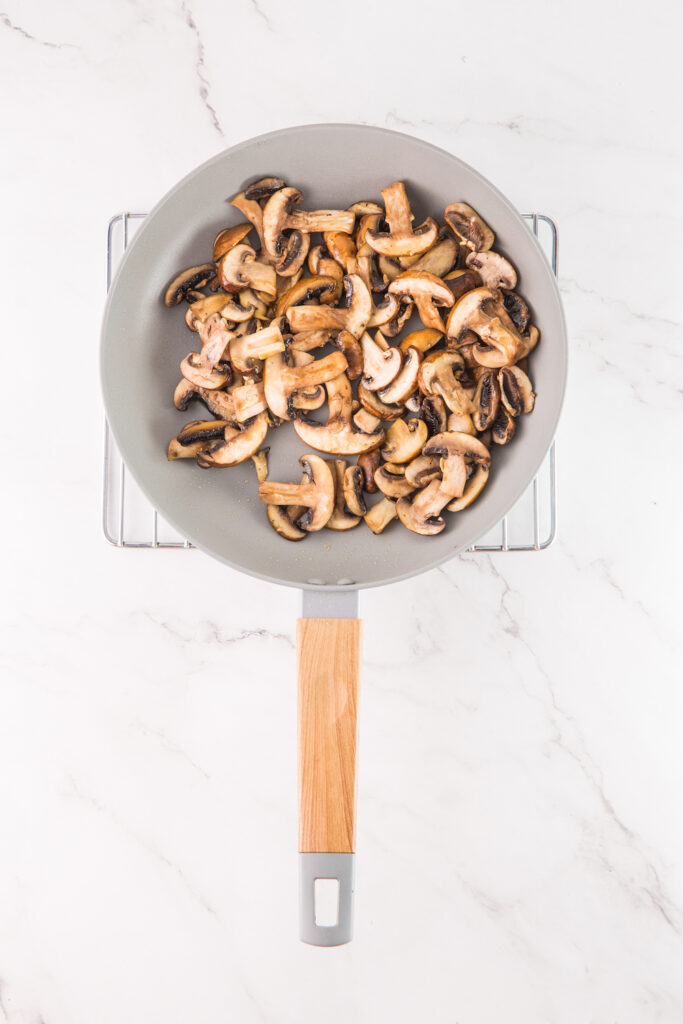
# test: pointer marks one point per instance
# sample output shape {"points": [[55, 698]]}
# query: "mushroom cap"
{"points": [[365, 208], [468, 227], [263, 188], [368, 463], [347, 344], [353, 490], [227, 238], [188, 280], [405, 381], [391, 481], [371, 401], [380, 366], [423, 469], [486, 400], [516, 391], [305, 289], [282, 524], [239, 268], [341, 518], [338, 436], [440, 259], [320, 476], [404, 440], [237, 446], [420, 284], [462, 281], [455, 442], [402, 239], [422, 340], [494, 270], [517, 309], [421, 515], [433, 412], [275, 219], [473, 488], [504, 426], [203, 375]]}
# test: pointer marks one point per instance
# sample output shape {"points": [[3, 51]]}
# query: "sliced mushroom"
{"points": [[366, 421], [404, 440], [380, 515], [473, 488], [389, 268], [306, 341], [249, 298], [422, 470], [504, 426], [206, 369], [401, 239], [260, 345], [263, 188], [462, 281], [353, 490], [463, 423], [281, 381], [422, 340], [368, 463], [341, 518], [318, 287], [347, 344], [321, 263], [421, 515], [353, 317], [440, 259], [342, 249], [227, 238], [240, 269], [433, 412], [385, 312], [517, 310], [315, 493], [338, 435], [441, 373], [405, 382], [486, 400], [516, 391], [454, 475], [176, 450], [483, 312], [254, 214], [494, 270], [260, 460], [468, 227], [280, 215], [391, 480], [249, 400], [220, 403], [413, 403], [371, 401], [203, 430], [380, 366], [279, 519], [365, 207], [427, 292], [208, 305], [187, 281], [392, 328], [457, 451], [237, 445]]}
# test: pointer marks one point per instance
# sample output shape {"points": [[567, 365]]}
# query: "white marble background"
{"points": [[520, 836]]}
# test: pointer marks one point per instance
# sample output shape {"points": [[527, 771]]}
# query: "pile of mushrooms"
{"points": [[286, 323]]}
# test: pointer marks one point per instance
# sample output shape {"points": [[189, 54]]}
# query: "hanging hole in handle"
{"points": [[326, 902]]}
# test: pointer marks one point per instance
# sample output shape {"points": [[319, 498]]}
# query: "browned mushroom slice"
{"points": [[280, 381], [441, 258], [306, 341], [246, 348], [517, 309], [220, 403], [281, 522], [371, 401], [254, 214], [240, 269], [516, 391], [486, 400], [206, 369], [405, 382], [380, 515], [318, 287], [473, 488], [463, 423], [352, 317], [385, 312], [342, 517], [392, 328], [368, 463], [249, 400], [504, 426], [315, 492], [422, 340], [320, 263], [226, 239], [280, 214], [188, 280], [365, 207], [249, 298], [353, 490], [427, 292], [338, 436], [433, 412], [352, 351], [494, 270], [457, 451], [388, 268], [454, 475], [203, 430], [237, 445], [483, 312], [342, 249], [442, 373], [205, 306], [401, 239], [422, 514], [422, 470], [263, 188], [380, 366], [391, 480], [468, 227], [366, 421], [260, 460], [462, 281], [404, 440], [176, 450]]}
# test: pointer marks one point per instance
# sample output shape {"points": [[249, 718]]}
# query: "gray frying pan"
{"points": [[219, 511]]}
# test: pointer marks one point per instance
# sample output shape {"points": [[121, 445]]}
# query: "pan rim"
{"points": [[430, 563]]}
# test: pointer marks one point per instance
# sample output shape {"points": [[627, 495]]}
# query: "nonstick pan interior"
{"points": [[143, 343]]}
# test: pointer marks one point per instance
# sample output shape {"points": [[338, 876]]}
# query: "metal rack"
{"points": [[130, 521]]}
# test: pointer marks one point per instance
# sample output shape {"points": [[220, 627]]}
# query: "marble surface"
{"points": [[520, 836]]}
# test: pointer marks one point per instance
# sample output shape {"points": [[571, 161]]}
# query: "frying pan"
{"points": [[219, 511]]}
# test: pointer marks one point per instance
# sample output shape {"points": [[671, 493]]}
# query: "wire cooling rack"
{"points": [[130, 521]]}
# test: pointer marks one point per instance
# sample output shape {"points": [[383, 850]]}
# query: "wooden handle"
{"points": [[328, 652]]}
